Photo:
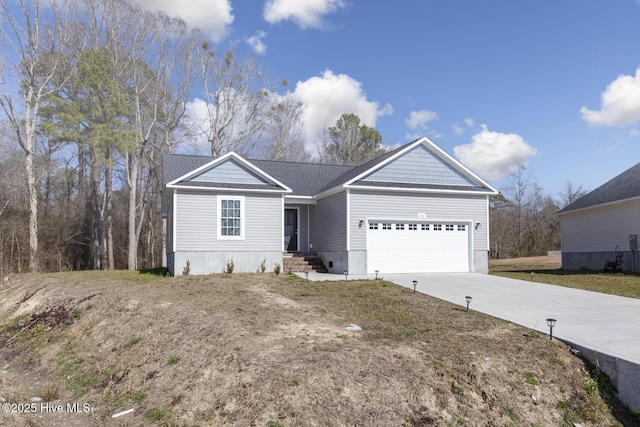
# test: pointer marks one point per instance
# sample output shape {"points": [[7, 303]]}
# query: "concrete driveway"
{"points": [[605, 328]]}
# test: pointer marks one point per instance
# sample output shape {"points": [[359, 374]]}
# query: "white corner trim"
{"points": [[174, 220], [348, 196]]}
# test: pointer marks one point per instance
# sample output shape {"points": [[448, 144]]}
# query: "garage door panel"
{"points": [[431, 249]]}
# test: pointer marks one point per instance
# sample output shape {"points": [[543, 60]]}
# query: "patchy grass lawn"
{"points": [[547, 269], [261, 350]]}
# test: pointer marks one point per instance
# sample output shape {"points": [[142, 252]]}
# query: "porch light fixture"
{"points": [[551, 323], [477, 225], [468, 298], [377, 271], [415, 283], [346, 274]]}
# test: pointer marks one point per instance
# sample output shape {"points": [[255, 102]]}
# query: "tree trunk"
{"points": [[33, 212], [132, 181], [95, 208]]}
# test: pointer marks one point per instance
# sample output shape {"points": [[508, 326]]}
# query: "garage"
{"points": [[417, 247]]}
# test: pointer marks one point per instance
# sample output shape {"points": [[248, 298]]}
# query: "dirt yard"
{"points": [[266, 350]]}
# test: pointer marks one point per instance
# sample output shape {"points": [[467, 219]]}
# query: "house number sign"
{"points": [[422, 215]]}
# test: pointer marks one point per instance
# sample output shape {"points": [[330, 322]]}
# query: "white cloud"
{"points": [[469, 123], [620, 103], [420, 119], [257, 44], [212, 17], [494, 155], [634, 132], [330, 95], [305, 13]]}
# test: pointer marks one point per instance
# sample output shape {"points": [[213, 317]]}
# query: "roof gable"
{"points": [[623, 187], [419, 166], [447, 175], [228, 172]]}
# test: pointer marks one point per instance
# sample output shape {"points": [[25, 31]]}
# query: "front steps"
{"points": [[297, 262]]}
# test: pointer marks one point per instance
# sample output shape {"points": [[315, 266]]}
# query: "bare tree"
{"points": [[34, 62], [283, 135], [570, 194], [236, 99]]}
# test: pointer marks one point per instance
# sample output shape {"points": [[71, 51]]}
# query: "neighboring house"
{"points": [[604, 222], [414, 209]]}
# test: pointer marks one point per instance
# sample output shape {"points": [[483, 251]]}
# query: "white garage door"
{"points": [[410, 247]]}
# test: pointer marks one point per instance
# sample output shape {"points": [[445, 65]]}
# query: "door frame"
{"points": [[297, 209]]}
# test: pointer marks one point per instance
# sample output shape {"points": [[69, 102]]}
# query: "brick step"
{"points": [[299, 263]]}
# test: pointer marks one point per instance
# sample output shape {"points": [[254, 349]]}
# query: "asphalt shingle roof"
{"points": [[305, 179], [622, 187]]}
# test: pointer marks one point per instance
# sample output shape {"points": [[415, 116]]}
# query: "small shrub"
{"points": [[263, 266], [173, 360], [49, 392], [230, 266], [187, 268], [276, 269]]}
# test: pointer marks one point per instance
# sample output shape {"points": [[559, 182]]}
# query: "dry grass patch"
{"points": [[263, 350]]}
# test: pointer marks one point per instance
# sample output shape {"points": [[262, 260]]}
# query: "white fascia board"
{"points": [[221, 159], [227, 189], [330, 192], [421, 190], [299, 200]]}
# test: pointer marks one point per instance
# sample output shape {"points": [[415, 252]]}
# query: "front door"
{"points": [[291, 230]]}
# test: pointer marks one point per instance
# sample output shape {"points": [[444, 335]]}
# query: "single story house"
{"points": [[413, 209], [603, 224]]}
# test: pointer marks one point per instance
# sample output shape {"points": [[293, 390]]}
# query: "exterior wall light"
{"points": [[551, 323], [468, 298], [361, 223], [477, 225]]}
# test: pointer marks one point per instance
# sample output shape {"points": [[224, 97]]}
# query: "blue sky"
{"points": [[552, 84]]}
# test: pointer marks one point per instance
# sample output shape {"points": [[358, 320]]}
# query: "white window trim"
{"points": [[219, 222]]}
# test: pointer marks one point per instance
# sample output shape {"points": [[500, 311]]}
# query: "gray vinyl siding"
{"points": [[406, 206], [600, 228], [229, 172], [197, 224], [329, 223], [419, 166]]}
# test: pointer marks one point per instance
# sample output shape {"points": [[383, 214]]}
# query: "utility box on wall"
{"points": [[633, 242]]}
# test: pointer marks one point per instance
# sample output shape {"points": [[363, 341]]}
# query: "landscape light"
{"points": [[415, 283], [377, 271], [468, 298], [551, 323], [306, 273], [346, 273]]}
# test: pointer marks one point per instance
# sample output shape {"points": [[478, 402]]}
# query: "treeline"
{"points": [[523, 220], [93, 93]]}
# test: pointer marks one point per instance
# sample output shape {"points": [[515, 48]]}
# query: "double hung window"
{"points": [[231, 217]]}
